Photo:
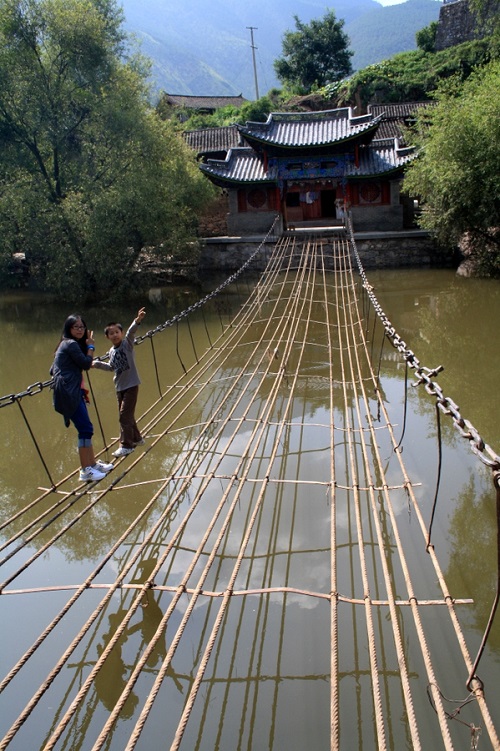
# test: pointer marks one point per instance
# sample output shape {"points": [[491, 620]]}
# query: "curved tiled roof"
{"points": [[292, 129], [241, 165], [244, 165], [380, 157]]}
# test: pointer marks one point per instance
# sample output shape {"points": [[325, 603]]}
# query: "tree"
{"points": [[89, 176], [314, 55], [457, 174], [426, 37]]}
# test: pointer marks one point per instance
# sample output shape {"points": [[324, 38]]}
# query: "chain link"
{"points": [[426, 375]]}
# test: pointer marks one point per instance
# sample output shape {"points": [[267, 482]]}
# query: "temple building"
{"points": [[309, 167]]}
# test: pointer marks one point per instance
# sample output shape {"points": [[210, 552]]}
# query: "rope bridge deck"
{"points": [[266, 591]]}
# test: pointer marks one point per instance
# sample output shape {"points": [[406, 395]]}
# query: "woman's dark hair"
{"points": [[66, 334]]}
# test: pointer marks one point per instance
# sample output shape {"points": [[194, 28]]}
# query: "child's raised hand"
{"points": [[140, 315]]}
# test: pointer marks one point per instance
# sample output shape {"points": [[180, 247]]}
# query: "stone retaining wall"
{"points": [[376, 250], [458, 23]]}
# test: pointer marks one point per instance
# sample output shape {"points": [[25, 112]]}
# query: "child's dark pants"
{"points": [[129, 432]]}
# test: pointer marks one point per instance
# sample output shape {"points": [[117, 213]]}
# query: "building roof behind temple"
{"points": [[203, 103], [213, 140], [396, 117], [309, 129]]}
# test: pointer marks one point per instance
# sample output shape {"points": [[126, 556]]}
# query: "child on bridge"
{"points": [[73, 355], [126, 378]]}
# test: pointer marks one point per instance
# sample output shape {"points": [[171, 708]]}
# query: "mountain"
{"points": [[204, 48], [383, 32]]}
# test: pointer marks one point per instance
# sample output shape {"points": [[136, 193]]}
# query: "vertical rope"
{"points": [[177, 346], [156, 367], [405, 407], [206, 327], [36, 444], [192, 341], [97, 411], [438, 479], [472, 674]]}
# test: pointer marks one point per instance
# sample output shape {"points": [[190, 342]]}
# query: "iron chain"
{"points": [[426, 375]]}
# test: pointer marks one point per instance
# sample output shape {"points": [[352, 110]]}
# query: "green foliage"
{"points": [[410, 76], [426, 37], [457, 174], [89, 175], [257, 111], [314, 55]]}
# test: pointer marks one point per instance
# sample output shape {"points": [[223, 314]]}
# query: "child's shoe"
{"points": [[91, 474], [103, 466], [122, 451], [141, 442]]}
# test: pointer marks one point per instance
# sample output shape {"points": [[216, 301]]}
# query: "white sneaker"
{"points": [[91, 474], [122, 451], [103, 466], [140, 443]]}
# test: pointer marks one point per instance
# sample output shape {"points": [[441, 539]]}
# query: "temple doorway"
{"points": [[328, 203]]}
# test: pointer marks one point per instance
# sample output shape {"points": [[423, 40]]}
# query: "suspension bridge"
{"points": [[264, 589]]}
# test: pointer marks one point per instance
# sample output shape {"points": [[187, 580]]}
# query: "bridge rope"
{"points": [[238, 461]]}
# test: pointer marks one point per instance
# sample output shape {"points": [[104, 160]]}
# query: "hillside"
{"points": [[202, 48], [383, 32]]}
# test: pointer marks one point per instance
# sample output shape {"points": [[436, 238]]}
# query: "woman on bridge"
{"points": [[74, 354]]}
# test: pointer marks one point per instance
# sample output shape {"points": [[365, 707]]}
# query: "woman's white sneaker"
{"points": [[91, 474]]}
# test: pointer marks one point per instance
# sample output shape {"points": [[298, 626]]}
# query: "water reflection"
{"points": [[474, 541], [111, 678]]}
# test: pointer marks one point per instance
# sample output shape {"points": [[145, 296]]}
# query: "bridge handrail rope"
{"points": [[39, 386], [448, 407]]}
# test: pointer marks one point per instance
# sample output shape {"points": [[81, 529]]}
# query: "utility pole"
{"points": [[252, 29]]}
